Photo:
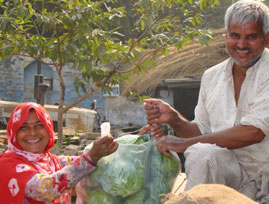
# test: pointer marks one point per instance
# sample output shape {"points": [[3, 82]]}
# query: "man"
{"points": [[227, 143]]}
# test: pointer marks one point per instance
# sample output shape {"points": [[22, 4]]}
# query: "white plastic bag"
{"points": [[137, 173]]}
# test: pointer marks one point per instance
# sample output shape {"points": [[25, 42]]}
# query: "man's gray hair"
{"points": [[245, 11]]}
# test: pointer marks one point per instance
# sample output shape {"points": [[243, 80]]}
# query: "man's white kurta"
{"points": [[217, 110]]}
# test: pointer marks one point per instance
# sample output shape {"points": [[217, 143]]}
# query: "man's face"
{"points": [[32, 135], [245, 43]]}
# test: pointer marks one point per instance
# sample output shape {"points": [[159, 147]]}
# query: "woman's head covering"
{"points": [[19, 115]]}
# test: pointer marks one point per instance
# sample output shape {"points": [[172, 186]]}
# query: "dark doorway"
{"points": [[185, 100]]}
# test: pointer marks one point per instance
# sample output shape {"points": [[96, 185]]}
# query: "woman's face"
{"points": [[32, 135]]}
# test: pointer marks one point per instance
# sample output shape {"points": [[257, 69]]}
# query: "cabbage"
{"points": [[139, 141], [127, 139], [150, 201], [166, 165], [137, 173], [98, 196], [137, 198], [133, 139], [92, 180], [142, 139], [123, 179], [124, 172], [157, 187], [170, 166]]}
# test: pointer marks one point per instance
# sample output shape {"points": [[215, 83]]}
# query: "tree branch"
{"points": [[89, 93], [59, 50], [141, 61], [38, 59], [115, 68], [135, 42]]}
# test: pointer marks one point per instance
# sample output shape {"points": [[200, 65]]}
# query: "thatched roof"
{"points": [[191, 61]]}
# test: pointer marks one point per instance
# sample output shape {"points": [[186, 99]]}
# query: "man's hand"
{"points": [[159, 111], [155, 130], [173, 143]]}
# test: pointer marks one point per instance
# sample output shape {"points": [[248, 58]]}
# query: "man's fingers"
{"points": [[167, 153], [163, 150], [152, 101], [144, 130], [154, 116], [156, 130], [157, 135]]}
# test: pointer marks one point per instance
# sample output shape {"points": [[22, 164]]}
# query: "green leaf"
{"points": [[31, 12], [142, 23], [95, 37]]}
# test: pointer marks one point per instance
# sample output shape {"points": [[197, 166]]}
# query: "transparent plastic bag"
{"points": [[137, 173], [161, 174]]}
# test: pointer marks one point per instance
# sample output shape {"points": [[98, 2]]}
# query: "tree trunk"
{"points": [[60, 108], [60, 126]]}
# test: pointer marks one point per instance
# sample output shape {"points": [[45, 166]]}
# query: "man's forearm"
{"points": [[183, 127], [232, 138]]}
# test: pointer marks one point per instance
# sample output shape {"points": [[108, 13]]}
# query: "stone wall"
{"points": [[15, 85], [15, 73], [11, 79], [124, 112]]}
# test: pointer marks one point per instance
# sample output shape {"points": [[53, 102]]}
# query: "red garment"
{"points": [[17, 166], [16, 173]]}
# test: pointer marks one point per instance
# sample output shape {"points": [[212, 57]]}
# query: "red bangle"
{"points": [[88, 160]]}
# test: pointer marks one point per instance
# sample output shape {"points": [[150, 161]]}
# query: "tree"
{"points": [[88, 35], [214, 18]]}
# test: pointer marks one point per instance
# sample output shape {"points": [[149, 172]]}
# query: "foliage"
{"points": [[157, 187], [136, 173], [98, 196], [124, 175], [137, 198], [133, 139], [127, 139], [164, 165], [90, 36], [214, 18]]}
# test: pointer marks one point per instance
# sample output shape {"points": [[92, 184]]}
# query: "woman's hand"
{"points": [[102, 146]]}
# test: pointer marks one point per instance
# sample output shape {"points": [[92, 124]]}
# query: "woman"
{"points": [[29, 172]]}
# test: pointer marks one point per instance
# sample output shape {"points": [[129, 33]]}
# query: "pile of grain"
{"points": [[208, 194]]}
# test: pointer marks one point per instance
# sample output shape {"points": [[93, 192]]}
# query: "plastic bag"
{"points": [[137, 173], [161, 173]]}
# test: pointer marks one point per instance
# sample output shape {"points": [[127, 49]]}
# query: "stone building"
{"points": [[17, 83]]}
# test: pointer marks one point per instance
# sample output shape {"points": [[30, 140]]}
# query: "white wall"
{"points": [[123, 112]]}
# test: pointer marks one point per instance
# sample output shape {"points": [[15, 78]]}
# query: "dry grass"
{"points": [[191, 61]]}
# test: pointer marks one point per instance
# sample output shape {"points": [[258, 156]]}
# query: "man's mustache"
{"points": [[241, 49]]}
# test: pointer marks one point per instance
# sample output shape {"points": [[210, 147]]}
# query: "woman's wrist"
{"points": [[89, 159], [94, 157]]}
